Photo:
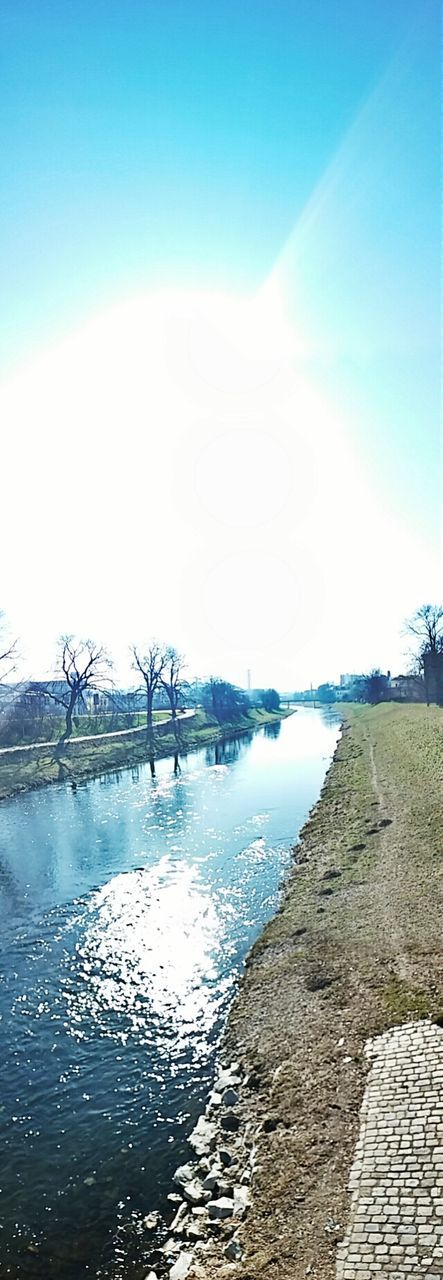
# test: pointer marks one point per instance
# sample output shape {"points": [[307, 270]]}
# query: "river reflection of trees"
{"points": [[228, 750], [225, 752], [9, 886], [110, 779], [272, 730], [172, 803]]}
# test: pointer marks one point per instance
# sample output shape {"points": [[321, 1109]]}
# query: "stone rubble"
{"points": [[395, 1227], [233, 1251], [181, 1267], [184, 1173], [230, 1121], [177, 1223], [194, 1192], [230, 1098], [222, 1208], [213, 1189], [203, 1137]]}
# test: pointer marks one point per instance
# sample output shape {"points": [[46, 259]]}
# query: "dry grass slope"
{"points": [[356, 947]]}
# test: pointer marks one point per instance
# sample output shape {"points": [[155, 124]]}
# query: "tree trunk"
{"points": [[69, 713], [149, 701], [173, 701], [68, 727]]}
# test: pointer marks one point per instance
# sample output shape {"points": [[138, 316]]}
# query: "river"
{"points": [[127, 907]]}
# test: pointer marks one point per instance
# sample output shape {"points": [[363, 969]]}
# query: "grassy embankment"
{"points": [[27, 770], [356, 947]]}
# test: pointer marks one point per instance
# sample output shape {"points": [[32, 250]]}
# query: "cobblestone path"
{"points": [[396, 1215]]}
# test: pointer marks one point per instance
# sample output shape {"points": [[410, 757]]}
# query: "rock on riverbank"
{"points": [[212, 1196]]}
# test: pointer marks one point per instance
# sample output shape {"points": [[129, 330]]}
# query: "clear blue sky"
{"points": [[162, 139], [216, 144]]}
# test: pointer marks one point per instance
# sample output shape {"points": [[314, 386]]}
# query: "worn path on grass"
{"points": [[356, 949], [98, 737]]}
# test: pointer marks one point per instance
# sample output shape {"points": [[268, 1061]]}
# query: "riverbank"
{"points": [[355, 948], [81, 760]]}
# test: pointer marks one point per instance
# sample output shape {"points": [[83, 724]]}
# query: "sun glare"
{"points": [[192, 419]]}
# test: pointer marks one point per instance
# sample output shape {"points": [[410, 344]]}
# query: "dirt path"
{"points": [[98, 738], [387, 883]]}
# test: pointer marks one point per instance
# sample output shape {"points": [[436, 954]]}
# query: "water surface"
{"points": [[127, 907]]}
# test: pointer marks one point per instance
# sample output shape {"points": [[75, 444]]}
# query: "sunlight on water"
{"points": [[150, 942]]}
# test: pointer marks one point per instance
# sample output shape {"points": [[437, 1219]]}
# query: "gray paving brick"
{"points": [[395, 1224]]}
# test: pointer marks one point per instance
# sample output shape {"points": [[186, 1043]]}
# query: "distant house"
{"points": [[32, 697], [47, 697], [347, 680], [408, 688], [8, 697]]}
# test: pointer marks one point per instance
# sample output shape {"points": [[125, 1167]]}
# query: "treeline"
{"points": [[83, 687], [226, 702]]}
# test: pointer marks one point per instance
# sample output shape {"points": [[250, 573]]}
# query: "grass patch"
{"points": [[403, 1002]]}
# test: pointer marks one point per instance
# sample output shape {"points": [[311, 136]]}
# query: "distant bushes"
{"points": [[270, 699], [224, 701]]}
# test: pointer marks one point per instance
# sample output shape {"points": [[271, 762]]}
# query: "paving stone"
{"points": [[395, 1224]]}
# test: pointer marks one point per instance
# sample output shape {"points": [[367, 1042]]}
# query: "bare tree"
{"points": [[151, 664], [426, 625], [172, 679], [8, 651], [426, 628], [84, 665]]}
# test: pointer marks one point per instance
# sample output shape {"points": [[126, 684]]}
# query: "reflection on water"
{"points": [[127, 906], [228, 752], [272, 730]]}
